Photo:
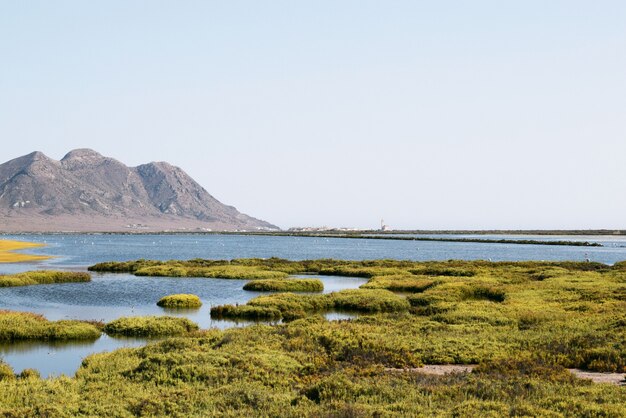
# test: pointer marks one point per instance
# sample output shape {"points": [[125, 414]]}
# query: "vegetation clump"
{"points": [[150, 326], [256, 313], [180, 301], [400, 283], [21, 326], [286, 285], [292, 306], [43, 277]]}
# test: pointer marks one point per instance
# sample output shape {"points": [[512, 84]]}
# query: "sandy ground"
{"points": [[443, 369], [8, 256]]}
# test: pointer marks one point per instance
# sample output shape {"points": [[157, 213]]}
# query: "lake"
{"points": [[110, 296]]}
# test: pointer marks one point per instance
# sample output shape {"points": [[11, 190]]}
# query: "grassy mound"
{"points": [[180, 301], [43, 277], [150, 326], [20, 326], [290, 285]]}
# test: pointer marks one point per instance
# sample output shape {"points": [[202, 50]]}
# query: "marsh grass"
{"points": [[150, 326], [285, 285], [522, 323], [180, 301], [256, 313], [20, 326], [43, 277], [291, 306]]}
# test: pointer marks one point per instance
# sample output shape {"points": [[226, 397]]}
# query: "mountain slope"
{"points": [[86, 191]]}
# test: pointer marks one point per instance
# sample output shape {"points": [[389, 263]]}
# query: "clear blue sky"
{"points": [[431, 114]]}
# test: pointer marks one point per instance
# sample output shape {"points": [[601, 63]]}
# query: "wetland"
{"points": [[355, 349]]}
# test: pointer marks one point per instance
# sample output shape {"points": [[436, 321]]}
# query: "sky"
{"points": [[429, 114]]}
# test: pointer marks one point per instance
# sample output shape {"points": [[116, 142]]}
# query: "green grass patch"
{"points": [[400, 283], [285, 285], [292, 306], [180, 301], [21, 326], [43, 277], [256, 313], [150, 326]]}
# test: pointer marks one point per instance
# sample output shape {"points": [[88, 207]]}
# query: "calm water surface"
{"points": [[110, 296]]}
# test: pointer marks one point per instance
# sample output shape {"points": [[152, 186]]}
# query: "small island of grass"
{"points": [[286, 285], [292, 306], [180, 301], [150, 326], [43, 277], [22, 326]]}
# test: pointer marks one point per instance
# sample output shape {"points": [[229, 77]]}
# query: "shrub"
{"points": [[29, 374], [180, 301], [6, 372]]}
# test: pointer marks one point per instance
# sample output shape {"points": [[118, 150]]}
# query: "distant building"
{"points": [[384, 227]]}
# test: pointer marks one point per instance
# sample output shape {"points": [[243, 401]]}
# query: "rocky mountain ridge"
{"points": [[86, 191]]}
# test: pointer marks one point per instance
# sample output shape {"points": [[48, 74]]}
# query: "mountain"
{"points": [[86, 191]]}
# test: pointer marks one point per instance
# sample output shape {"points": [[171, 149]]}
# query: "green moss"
{"points": [[180, 301], [43, 277], [290, 285], [19, 326], [150, 326]]}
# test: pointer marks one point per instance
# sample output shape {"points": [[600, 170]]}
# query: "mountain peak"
{"points": [[82, 153], [36, 156]]}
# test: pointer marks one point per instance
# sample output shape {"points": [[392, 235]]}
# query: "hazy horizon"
{"points": [[431, 116]]}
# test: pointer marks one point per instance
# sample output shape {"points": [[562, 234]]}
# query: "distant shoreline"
{"points": [[377, 235]]}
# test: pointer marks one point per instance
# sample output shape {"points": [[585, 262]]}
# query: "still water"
{"points": [[110, 296]]}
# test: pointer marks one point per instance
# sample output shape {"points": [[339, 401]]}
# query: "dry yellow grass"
{"points": [[7, 254]]}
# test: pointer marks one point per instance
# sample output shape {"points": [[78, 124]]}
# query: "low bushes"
{"points": [[43, 277], [20, 326], [150, 326], [180, 301], [291, 306], [290, 285]]}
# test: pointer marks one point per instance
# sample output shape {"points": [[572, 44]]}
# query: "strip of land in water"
{"points": [[8, 254], [402, 237]]}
